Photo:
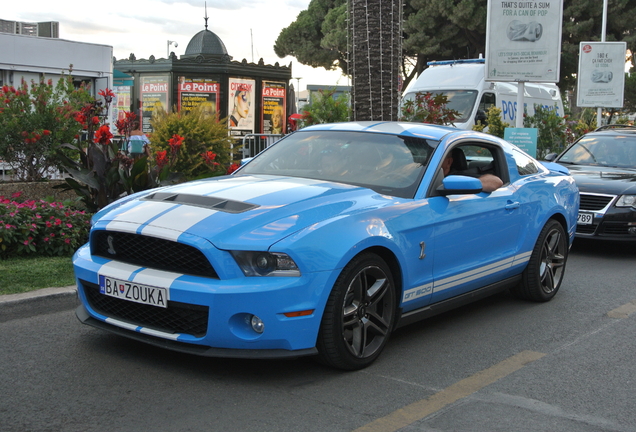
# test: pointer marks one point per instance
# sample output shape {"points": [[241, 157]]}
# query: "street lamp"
{"points": [[170, 43], [297, 92]]}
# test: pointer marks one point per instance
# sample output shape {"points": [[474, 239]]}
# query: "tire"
{"points": [[359, 314], [542, 278]]}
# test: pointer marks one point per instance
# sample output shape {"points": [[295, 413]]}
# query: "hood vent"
{"points": [[220, 204]]}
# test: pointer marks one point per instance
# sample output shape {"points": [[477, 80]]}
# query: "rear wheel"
{"points": [[359, 315], [543, 276]]}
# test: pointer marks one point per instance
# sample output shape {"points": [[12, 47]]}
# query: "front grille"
{"points": [[594, 202], [176, 318], [151, 252]]}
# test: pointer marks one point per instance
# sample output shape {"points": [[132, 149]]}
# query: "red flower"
{"points": [[209, 157], [95, 120], [80, 118], [103, 135], [107, 94], [46, 132], [233, 168], [175, 142], [161, 158]]}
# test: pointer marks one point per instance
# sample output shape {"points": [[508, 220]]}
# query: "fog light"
{"points": [[257, 324], [631, 230]]}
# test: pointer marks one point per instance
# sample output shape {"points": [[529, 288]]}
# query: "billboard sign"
{"points": [[154, 96], [601, 77], [194, 92], [523, 40], [273, 103], [241, 106]]}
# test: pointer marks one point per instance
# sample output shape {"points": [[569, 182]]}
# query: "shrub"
{"points": [[496, 126], [34, 121], [552, 130], [324, 108], [426, 108], [39, 227], [202, 146]]}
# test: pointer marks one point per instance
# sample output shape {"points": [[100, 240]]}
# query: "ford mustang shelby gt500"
{"points": [[326, 242]]}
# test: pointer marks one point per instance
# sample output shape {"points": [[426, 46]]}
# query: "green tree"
{"points": [[447, 30], [203, 136], [324, 108], [35, 120]]}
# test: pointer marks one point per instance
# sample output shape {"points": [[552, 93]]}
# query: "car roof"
{"points": [[614, 129], [419, 130]]}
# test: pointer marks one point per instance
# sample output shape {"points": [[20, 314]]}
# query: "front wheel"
{"points": [[543, 276], [359, 315]]}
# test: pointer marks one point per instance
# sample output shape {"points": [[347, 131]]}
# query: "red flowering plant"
{"points": [[428, 108], [102, 173], [40, 227], [34, 120]]}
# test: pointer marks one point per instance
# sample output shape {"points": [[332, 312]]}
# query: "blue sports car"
{"points": [[327, 241]]}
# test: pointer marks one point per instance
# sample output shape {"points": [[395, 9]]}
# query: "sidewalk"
{"points": [[45, 300]]}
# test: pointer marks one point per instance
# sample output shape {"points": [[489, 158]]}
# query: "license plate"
{"points": [[585, 219], [134, 292]]}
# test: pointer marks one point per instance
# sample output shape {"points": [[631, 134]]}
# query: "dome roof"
{"points": [[205, 43]]}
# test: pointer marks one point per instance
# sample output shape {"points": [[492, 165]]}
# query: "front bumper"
{"points": [[207, 316]]}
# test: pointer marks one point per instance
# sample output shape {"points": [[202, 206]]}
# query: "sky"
{"points": [[248, 28]]}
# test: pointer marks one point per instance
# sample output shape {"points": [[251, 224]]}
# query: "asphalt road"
{"points": [[496, 365]]}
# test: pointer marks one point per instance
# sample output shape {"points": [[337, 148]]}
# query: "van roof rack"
{"points": [[452, 62]]}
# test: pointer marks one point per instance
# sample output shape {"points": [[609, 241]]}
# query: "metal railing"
{"points": [[253, 144]]}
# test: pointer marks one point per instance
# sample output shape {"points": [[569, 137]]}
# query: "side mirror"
{"points": [[550, 157], [459, 185]]}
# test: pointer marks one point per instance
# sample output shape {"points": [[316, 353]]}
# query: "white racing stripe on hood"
{"points": [[178, 221], [143, 212], [118, 270], [253, 190], [157, 278]]}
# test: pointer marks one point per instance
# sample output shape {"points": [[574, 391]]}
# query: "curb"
{"points": [[37, 302]]}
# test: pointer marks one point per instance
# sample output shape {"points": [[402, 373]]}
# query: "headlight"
{"points": [[265, 263], [626, 201]]}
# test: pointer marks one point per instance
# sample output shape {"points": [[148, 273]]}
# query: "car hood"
{"points": [[237, 212], [615, 181]]}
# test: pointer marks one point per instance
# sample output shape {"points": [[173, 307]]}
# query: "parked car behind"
{"points": [[326, 242], [603, 164]]}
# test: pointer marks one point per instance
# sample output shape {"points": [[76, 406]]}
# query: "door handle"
{"points": [[512, 205]]}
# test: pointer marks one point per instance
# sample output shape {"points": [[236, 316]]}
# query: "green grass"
{"points": [[18, 275]]}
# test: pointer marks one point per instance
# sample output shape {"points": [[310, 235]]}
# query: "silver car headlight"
{"points": [[265, 263], [626, 201]]}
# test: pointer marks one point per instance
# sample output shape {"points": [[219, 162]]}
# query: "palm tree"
{"points": [[375, 53]]}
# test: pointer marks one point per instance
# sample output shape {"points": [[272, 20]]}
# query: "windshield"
{"points": [[389, 164], [462, 101], [612, 151]]}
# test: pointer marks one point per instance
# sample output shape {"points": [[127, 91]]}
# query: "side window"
{"points": [[525, 165], [488, 100]]}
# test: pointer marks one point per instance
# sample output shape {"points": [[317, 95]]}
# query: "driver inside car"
{"points": [[455, 164]]}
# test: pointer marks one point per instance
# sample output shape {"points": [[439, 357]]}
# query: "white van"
{"points": [[462, 81]]}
